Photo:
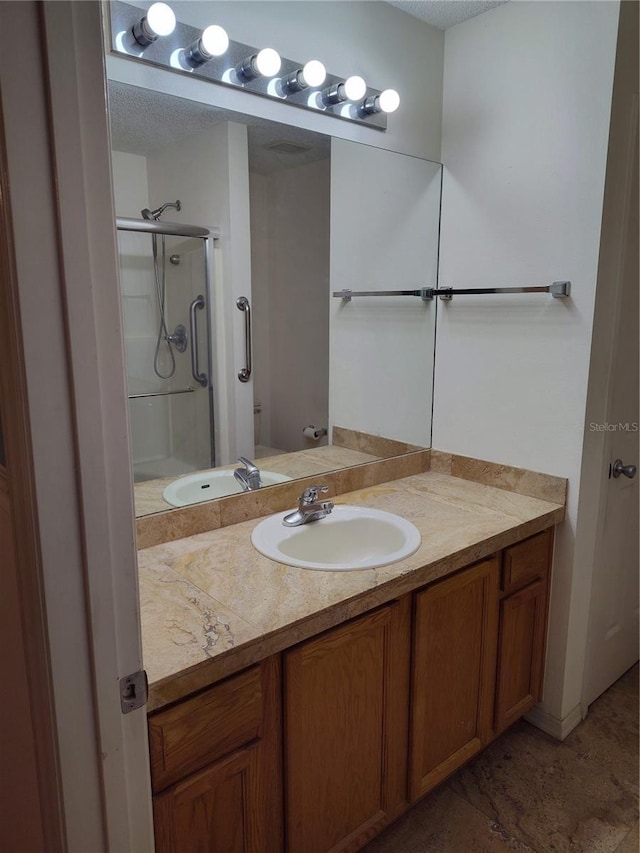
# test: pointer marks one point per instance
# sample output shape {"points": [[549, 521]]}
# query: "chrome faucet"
{"points": [[309, 508], [249, 476]]}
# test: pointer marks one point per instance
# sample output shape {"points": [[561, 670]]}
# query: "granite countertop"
{"points": [[211, 604]]}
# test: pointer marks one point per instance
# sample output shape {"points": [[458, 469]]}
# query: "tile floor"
{"points": [[527, 792]]}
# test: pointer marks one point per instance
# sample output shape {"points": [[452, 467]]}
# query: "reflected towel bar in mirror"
{"points": [[559, 290]]}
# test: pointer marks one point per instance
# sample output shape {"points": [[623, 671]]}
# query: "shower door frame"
{"points": [[209, 236]]}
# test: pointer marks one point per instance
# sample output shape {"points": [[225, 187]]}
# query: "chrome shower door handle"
{"points": [[200, 378], [243, 304]]}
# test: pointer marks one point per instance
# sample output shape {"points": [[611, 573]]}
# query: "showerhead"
{"points": [[157, 213]]}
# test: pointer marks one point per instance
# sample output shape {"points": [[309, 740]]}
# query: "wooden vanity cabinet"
{"points": [[367, 716], [453, 673], [345, 724], [216, 767], [523, 620]]}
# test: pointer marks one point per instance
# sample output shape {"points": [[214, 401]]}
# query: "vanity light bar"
{"points": [[184, 49]]}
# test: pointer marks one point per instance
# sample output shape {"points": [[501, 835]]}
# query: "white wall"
{"points": [[527, 94], [290, 281], [386, 46], [384, 236], [130, 186], [259, 203], [299, 313]]}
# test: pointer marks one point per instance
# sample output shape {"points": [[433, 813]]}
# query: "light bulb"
{"points": [[389, 101], [161, 19], [354, 88], [386, 102], [314, 73], [268, 62], [214, 40], [351, 89]]}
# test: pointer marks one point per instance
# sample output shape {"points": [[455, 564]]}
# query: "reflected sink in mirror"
{"points": [[351, 538], [206, 485]]}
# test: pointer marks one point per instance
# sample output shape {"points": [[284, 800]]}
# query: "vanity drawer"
{"points": [[207, 727], [527, 561]]}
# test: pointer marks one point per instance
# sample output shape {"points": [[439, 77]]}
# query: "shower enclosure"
{"points": [[165, 271]]}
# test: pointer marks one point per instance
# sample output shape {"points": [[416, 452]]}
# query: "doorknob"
{"points": [[628, 470]]}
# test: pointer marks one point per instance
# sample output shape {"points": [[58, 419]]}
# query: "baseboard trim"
{"points": [[557, 728]]}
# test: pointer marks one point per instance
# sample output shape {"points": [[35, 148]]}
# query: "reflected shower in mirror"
{"points": [[290, 216], [162, 279]]}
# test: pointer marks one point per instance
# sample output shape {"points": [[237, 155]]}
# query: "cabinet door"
{"points": [[230, 735], [346, 723], [453, 674], [520, 652], [211, 812]]}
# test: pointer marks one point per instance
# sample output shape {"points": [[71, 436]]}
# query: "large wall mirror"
{"points": [[283, 218]]}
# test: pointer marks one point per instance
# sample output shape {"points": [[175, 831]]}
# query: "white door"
{"points": [[613, 628]]}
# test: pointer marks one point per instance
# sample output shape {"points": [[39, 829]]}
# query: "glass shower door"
{"points": [[166, 313]]}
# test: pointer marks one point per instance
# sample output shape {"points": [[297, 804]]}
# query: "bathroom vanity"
{"points": [[336, 700]]}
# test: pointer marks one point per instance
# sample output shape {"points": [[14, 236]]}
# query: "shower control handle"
{"points": [[242, 303], [200, 378], [178, 338]]}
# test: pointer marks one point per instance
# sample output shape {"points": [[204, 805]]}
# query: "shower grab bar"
{"points": [[188, 390], [559, 290], [243, 304], [198, 303]]}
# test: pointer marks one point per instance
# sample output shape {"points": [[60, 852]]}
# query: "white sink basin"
{"points": [[351, 537], [206, 485]]}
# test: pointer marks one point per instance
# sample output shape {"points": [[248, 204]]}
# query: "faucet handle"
{"points": [[310, 495], [248, 464]]}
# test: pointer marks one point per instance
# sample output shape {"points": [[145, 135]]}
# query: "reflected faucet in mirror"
{"points": [[249, 476]]}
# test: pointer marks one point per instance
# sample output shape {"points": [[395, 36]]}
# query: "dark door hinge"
{"points": [[134, 691]]}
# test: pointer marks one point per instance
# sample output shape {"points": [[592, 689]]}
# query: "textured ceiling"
{"points": [[445, 13], [145, 121]]}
